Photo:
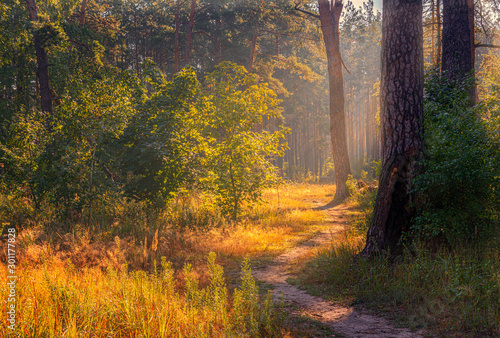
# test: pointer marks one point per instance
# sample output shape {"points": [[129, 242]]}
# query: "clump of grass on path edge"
{"points": [[449, 292]]}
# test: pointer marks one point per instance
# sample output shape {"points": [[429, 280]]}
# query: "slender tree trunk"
{"points": [[177, 50], [189, 37], [83, 11], [433, 19], [458, 41], [367, 125], [218, 55], [402, 90], [330, 18], [136, 36], [439, 32], [253, 47], [42, 71], [277, 43]]}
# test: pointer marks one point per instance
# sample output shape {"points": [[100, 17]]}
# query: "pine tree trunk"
{"points": [[433, 19], [42, 71], [218, 53], [83, 12], [458, 41], [189, 37], [330, 18], [177, 49], [402, 123], [253, 47], [136, 36], [439, 32]]}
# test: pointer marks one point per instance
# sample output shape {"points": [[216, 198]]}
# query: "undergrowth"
{"points": [[135, 234], [104, 278], [453, 291], [57, 301]]}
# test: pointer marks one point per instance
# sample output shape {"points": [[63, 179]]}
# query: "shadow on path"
{"points": [[344, 320]]}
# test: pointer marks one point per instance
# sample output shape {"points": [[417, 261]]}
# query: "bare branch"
{"points": [[486, 45], [305, 12], [343, 64], [80, 43]]}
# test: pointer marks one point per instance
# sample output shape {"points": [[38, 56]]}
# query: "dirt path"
{"points": [[344, 320]]}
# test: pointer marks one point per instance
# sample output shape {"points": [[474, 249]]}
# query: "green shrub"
{"points": [[460, 178]]}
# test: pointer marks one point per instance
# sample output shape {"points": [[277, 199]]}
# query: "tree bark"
{"points": [[402, 123], [218, 52], [83, 11], [253, 47], [177, 51], [42, 71], [433, 18], [136, 36], [189, 37], [439, 32], [458, 42], [329, 13]]}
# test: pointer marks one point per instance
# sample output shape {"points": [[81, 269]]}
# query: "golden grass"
{"points": [[55, 301], [284, 219], [97, 284]]}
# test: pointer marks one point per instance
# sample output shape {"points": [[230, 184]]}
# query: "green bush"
{"points": [[237, 144], [459, 184]]}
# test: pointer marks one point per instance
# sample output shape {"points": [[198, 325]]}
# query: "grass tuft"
{"points": [[451, 292]]}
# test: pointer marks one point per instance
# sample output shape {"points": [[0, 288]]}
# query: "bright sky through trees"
{"points": [[377, 3]]}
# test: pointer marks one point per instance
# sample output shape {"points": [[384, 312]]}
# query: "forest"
{"points": [[249, 168]]}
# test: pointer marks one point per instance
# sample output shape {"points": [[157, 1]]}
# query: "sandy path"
{"points": [[344, 320]]}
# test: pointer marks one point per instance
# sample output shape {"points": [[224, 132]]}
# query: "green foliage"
{"points": [[460, 181], [77, 163], [50, 34], [250, 315], [236, 112], [212, 137], [160, 143]]}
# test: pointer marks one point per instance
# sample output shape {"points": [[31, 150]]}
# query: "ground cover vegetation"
{"points": [[152, 151], [111, 280], [447, 278]]}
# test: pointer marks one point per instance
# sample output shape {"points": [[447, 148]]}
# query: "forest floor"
{"points": [[125, 276], [344, 320]]}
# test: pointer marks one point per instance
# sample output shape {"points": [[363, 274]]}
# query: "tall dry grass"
{"points": [[104, 278], [63, 301]]}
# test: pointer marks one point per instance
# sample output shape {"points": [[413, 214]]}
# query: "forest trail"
{"points": [[345, 321]]}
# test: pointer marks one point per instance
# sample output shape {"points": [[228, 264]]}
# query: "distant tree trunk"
{"points": [[83, 11], [177, 50], [218, 53], [433, 19], [439, 32], [458, 41], [253, 47], [367, 125], [277, 43], [402, 122], [42, 65], [329, 13], [136, 36], [189, 37]]}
